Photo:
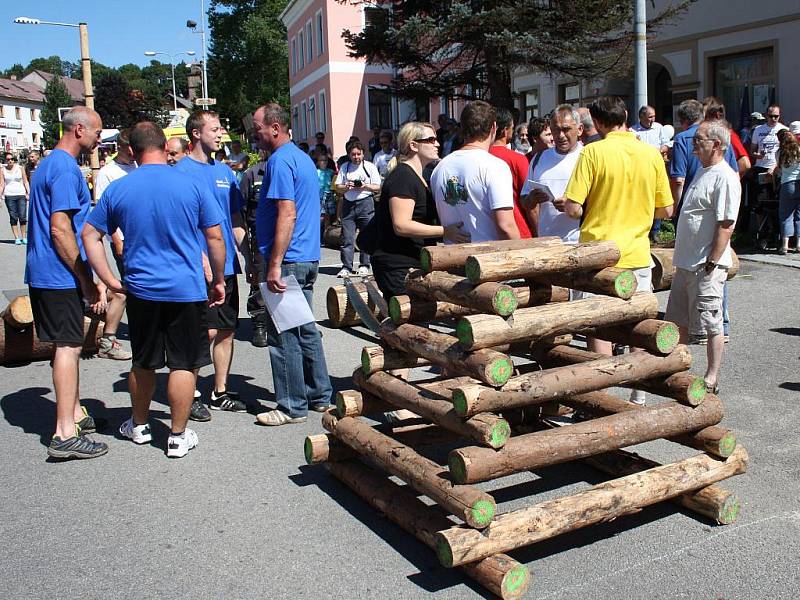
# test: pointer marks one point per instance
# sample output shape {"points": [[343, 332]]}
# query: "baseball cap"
{"points": [[757, 115], [794, 127]]}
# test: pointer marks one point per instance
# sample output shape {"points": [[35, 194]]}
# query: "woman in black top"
{"points": [[405, 218]]}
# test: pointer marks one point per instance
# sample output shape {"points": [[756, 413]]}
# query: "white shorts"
{"points": [[695, 300]]}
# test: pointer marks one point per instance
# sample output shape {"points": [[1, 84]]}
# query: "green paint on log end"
{"points": [[500, 433], [443, 551], [365, 365], [667, 338], [472, 269], [457, 468], [308, 450], [425, 259], [515, 580], [482, 512], [504, 303], [625, 284], [459, 402], [464, 333], [500, 371], [394, 310], [339, 401], [696, 391], [730, 510], [727, 444]]}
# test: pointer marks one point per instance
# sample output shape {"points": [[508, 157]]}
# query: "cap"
{"points": [[794, 127], [757, 115]]}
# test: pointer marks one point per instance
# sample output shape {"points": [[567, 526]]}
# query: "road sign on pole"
{"points": [[205, 101]]}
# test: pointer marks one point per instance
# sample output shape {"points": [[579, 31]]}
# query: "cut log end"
{"points": [[425, 260], [443, 551], [625, 284], [696, 393], [310, 448], [667, 338], [500, 433], [515, 582], [457, 468], [727, 444], [505, 302], [464, 333], [730, 510], [366, 364], [395, 311], [500, 370], [481, 513]]}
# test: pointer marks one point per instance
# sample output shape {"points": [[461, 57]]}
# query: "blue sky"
{"points": [[119, 32]]}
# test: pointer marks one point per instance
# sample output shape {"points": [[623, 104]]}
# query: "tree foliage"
{"points": [[55, 96], [470, 48], [55, 65], [248, 59]]}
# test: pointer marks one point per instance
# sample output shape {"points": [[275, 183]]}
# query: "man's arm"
{"points": [[664, 212], [506, 226], [66, 246], [676, 186], [216, 260], [573, 209], [722, 235], [284, 228], [96, 255]]}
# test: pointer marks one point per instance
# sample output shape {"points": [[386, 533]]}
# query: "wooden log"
{"points": [[378, 358], [473, 506], [561, 382], [407, 309], [19, 313], [536, 261], [24, 346], [712, 439], [495, 298], [340, 312], [686, 388], [483, 331], [452, 256], [714, 502], [662, 268], [500, 574], [611, 281], [332, 236], [587, 438], [657, 336], [489, 366], [603, 502], [431, 403], [353, 403]]}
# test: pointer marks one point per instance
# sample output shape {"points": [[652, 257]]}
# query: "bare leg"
{"points": [[24, 228], [180, 393], [15, 231], [114, 312], [141, 384], [66, 381], [222, 355], [714, 351]]}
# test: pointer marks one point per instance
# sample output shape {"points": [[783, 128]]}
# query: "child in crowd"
{"points": [[327, 199]]}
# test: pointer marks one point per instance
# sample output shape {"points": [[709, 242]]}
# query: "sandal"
{"points": [[712, 389], [278, 417]]}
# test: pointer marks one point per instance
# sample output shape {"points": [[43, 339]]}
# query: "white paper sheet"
{"points": [[289, 309], [542, 187]]}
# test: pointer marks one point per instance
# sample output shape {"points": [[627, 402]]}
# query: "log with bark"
{"points": [[601, 503], [489, 366], [473, 506], [340, 312], [452, 256], [409, 309], [378, 358], [610, 281], [25, 346], [662, 268], [561, 382], [654, 335], [544, 448], [19, 313], [536, 261], [484, 331]]}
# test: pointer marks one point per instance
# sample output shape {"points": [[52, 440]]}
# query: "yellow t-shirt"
{"points": [[620, 181]]}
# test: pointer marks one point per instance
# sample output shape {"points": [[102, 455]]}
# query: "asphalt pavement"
{"points": [[243, 517]]}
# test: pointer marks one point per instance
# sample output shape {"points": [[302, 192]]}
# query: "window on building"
{"points": [[35, 138], [309, 43], [569, 93], [312, 116], [295, 123], [529, 104], [17, 113], [320, 35], [303, 121], [32, 115], [380, 108], [294, 56], [375, 16], [2, 111], [323, 113], [301, 56], [752, 72], [423, 108]]}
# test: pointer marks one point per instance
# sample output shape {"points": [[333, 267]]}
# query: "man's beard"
{"points": [[523, 147]]}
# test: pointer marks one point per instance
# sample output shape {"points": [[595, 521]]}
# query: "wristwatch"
{"points": [[710, 266]]}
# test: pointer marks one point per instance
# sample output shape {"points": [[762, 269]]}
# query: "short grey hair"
{"points": [[80, 115], [573, 110], [719, 130], [586, 118], [690, 111], [519, 128]]}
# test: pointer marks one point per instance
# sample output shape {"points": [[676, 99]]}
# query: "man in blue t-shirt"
{"points": [[287, 226], [205, 132], [163, 215], [58, 278]]}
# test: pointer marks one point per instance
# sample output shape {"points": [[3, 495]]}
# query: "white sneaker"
{"points": [[343, 273], [638, 397], [363, 271], [178, 446], [139, 434]]}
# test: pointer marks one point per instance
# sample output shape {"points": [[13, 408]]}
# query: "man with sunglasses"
{"points": [[764, 144]]}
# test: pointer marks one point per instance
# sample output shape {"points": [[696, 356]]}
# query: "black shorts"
{"points": [[390, 272], [174, 334], [58, 315], [226, 315]]}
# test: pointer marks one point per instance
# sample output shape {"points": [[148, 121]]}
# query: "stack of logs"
{"points": [[19, 342], [505, 300]]}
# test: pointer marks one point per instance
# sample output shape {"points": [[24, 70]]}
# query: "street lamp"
{"points": [[172, 66], [193, 26]]}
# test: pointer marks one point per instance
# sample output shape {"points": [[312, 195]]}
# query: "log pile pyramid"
{"points": [[509, 365]]}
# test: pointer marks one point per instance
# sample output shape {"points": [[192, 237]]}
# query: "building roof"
{"points": [[21, 90], [74, 86]]}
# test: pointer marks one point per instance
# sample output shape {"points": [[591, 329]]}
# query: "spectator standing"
{"points": [[472, 187], [453, 139], [251, 191], [648, 130], [238, 160], [60, 281], [763, 147], [320, 137], [288, 236], [177, 148], [788, 160], [590, 133], [515, 161], [374, 143], [162, 214], [327, 199], [358, 180], [385, 154], [539, 136], [702, 247], [521, 143], [15, 190], [31, 163]]}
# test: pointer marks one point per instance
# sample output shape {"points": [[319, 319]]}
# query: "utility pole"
{"points": [[640, 42]]}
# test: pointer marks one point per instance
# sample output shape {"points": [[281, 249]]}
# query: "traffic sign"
{"points": [[205, 101]]}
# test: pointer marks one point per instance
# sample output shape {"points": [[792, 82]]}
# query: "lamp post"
{"points": [[640, 53], [193, 26], [172, 66], [86, 69]]}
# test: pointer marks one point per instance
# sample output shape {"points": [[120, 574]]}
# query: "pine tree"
{"points": [[55, 96]]}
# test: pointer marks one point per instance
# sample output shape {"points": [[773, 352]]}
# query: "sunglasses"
{"points": [[427, 140], [773, 116]]}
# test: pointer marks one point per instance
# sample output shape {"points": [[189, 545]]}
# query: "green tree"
{"points": [[115, 101], [55, 96], [470, 48], [55, 65], [16, 70], [248, 59]]}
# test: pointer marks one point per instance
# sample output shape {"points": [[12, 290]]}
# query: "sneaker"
{"points": [[344, 273], [199, 412], [321, 408], [226, 401], [638, 397], [86, 424], [363, 271], [726, 338], [139, 434], [76, 447], [24, 241], [259, 335], [698, 340], [18, 242], [278, 417], [111, 348], [178, 446]]}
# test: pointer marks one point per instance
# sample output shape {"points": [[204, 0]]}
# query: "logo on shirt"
{"points": [[223, 183], [454, 192]]}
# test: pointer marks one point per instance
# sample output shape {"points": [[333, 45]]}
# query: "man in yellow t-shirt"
{"points": [[618, 186]]}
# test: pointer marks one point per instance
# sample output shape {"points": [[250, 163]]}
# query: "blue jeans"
{"points": [[355, 214], [299, 371], [17, 209], [789, 208]]}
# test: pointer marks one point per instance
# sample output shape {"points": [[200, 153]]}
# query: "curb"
{"points": [[770, 260]]}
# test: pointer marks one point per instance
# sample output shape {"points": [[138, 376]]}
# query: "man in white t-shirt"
{"points": [[472, 187], [702, 246], [649, 131], [553, 168], [122, 164], [385, 154], [239, 161], [764, 143]]}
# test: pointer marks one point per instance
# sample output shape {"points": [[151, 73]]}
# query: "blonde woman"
{"points": [[789, 196]]}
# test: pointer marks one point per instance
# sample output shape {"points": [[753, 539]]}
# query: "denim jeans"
{"points": [[355, 214], [17, 209], [299, 371], [789, 208]]}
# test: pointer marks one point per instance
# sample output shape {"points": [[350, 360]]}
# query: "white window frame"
{"points": [[294, 55], [301, 63], [303, 121], [309, 42], [319, 21], [322, 110], [295, 122], [312, 115]]}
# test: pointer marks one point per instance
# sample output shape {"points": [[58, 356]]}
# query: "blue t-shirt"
{"points": [[161, 213], [57, 185], [325, 177], [221, 181], [685, 164], [290, 175]]}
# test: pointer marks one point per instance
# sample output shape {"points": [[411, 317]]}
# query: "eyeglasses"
{"points": [[427, 140], [696, 140]]}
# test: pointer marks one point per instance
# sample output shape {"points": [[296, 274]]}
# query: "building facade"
{"points": [[20, 110]]}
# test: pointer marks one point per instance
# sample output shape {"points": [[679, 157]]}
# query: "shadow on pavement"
{"points": [[787, 330], [790, 385]]}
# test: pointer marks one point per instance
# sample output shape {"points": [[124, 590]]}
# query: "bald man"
{"points": [[177, 148]]}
